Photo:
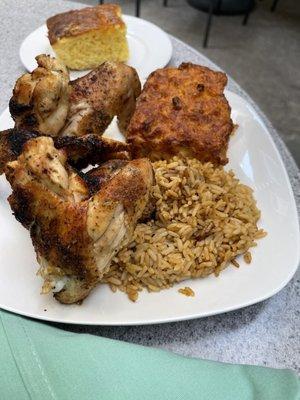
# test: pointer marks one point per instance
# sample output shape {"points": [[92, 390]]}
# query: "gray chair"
{"points": [[214, 7]]}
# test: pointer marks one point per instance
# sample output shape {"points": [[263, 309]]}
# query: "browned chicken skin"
{"points": [[47, 102], [182, 111], [81, 151], [109, 90], [40, 99], [76, 228], [11, 144], [92, 149]]}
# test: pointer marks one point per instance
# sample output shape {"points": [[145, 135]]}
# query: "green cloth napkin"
{"points": [[40, 362]]}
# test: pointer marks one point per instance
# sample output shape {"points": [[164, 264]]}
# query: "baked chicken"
{"points": [[182, 111], [109, 90], [40, 99], [77, 221], [81, 151], [46, 101]]}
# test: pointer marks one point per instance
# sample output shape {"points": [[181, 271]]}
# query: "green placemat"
{"points": [[40, 362]]}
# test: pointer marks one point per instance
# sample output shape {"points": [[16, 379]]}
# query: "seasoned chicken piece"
{"points": [[96, 177], [11, 144], [182, 111], [76, 230], [45, 100], [81, 152], [40, 99], [91, 149], [109, 90]]}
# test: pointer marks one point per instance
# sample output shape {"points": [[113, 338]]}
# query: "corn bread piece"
{"points": [[182, 111], [83, 39]]}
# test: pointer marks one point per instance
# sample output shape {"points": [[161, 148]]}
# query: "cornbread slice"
{"points": [[84, 39]]}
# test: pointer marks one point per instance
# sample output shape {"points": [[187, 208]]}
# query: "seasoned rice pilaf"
{"points": [[204, 219]]}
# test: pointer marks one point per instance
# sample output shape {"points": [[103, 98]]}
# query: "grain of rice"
{"points": [[114, 281], [205, 218], [235, 263], [187, 291], [248, 257]]}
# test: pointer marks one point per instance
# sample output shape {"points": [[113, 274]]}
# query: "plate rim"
{"points": [[169, 50], [204, 314]]}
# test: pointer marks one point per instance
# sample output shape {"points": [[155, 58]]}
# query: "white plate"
{"points": [[256, 161], [149, 47]]}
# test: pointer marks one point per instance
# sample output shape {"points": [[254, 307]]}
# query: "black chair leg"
{"points": [[246, 17], [208, 23], [274, 5], [247, 13], [137, 7], [101, 1], [165, 3], [209, 19]]}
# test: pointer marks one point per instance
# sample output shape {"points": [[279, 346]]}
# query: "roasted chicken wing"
{"points": [[109, 90], [40, 99], [182, 111], [47, 102], [77, 222], [80, 151], [92, 149]]}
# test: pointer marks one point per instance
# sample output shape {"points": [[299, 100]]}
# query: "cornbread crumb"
{"points": [[187, 291]]}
